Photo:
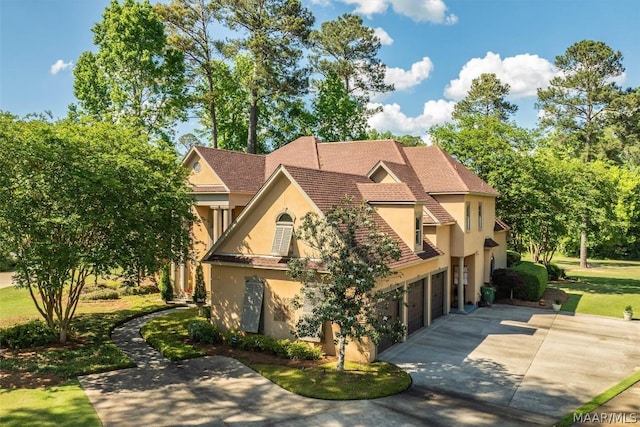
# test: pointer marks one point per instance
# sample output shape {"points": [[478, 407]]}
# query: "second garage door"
{"points": [[437, 295], [416, 306]]}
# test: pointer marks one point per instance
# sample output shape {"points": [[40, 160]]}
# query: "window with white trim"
{"points": [[418, 231], [282, 238], [479, 215], [467, 216]]}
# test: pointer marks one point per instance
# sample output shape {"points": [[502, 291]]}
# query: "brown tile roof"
{"points": [[327, 189], [490, 243], [500, 225], [441, 173], [437, 211], [238, 171], [325, 197], [358, 157], [302, 153], [386, 192]]}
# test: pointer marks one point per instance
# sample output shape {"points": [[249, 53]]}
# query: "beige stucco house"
{"points": [[441, 214]]}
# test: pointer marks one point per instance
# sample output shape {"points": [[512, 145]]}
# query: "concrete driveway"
{"points": [[521, 358], [218, 391]]}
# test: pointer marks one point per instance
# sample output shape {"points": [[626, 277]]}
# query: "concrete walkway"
{"points": [[521, 358], [218, 391]]}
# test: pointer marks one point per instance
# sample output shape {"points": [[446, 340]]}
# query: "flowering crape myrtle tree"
{"points": [[351, 256]]}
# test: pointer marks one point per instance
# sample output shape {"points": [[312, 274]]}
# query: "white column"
{"points": [[216, 224], [461, 284], [183, 277], [226, 218], [404, 310]]}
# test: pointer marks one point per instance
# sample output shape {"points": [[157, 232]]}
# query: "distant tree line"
{"points": [[573, 184]]}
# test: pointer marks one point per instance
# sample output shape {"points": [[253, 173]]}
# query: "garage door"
{"points": [[437, 295], [392, 311], [416, 306]]}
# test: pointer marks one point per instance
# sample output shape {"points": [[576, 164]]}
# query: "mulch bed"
{"points": [[545, 302]]}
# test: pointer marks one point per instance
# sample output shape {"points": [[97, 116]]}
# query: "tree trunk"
{"points": [[63, 334], [253, 123], [583, 243], [342, 344]]}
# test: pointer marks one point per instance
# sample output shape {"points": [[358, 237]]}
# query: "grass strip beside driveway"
{"points": [[601, 399]]}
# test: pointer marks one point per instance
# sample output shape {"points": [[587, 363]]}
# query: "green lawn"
{"points": [[62, 405], [90, 351], [604, 289], [168, 334]]}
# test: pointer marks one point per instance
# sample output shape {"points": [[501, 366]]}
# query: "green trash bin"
{"points": [[488, 293]]}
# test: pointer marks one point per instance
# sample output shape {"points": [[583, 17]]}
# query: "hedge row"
{"points": [[528, 281]]}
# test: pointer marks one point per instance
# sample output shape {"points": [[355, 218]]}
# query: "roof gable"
{"points": [[239, 172], [439, 172]]}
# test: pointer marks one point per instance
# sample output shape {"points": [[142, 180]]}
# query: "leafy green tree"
{"points": [[273, 34], [347, 48], [188, 23], [80, 199], [135, 78], [406, 140], [351, 255], [166, 288], [486, 97], [483, 138], [578, 106], [337, 116]]}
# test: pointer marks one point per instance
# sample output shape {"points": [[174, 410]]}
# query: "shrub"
{"points": [[31, 334], [200, 292], [513, 258], [554, 272], [506, 281], [204, 332], [100, 294], [147, 289], [535, 281], [166, 288], [206, 312], [303, 351]]}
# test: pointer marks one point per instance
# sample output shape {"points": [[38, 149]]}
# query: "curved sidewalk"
{"points": [[217, 391]]}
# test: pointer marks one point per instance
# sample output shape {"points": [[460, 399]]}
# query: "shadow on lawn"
{"points": [[596, 263], [604, 285]]}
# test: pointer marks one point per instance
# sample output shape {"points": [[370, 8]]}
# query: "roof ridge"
{"points": [[229, 151]]}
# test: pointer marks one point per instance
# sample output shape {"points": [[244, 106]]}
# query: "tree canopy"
{"points": [[351, 256], [80, 199], [135, 78]]}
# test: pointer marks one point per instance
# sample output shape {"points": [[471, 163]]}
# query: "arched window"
{"points": [[282, 238]]}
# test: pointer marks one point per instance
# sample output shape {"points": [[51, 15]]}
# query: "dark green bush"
{"points": [[199, 292], [7, 263], [34, 333], [166, 288], [513, 258], [554, 272], [280, 347], [535, 281], [148, 289], [506, 280], [204, 332], [100, 294]]}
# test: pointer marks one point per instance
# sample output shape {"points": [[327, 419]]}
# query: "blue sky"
{"points": [[433, 49]]}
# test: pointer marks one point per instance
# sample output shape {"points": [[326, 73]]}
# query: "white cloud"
{"points": [[385, 38], [368, 7], [60, 65], [391, 118], [524, 73], [405, 79], [424, 11], [321, 2], [419, 10]]}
